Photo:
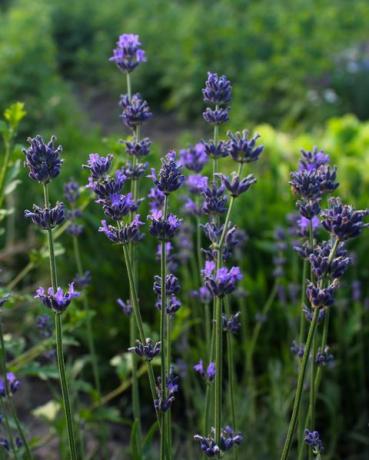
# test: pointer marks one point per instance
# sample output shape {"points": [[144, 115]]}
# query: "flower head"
{"points": [[232, 323], [215, 150], [208, 445], [98, 165], [147, 350], [43, 160], [343, 221], [218, 90], [242, 149], [135, 110], [196, 183], [215, 201], [194, 158], [220, 282], [172, 285], [207, 373], [297, 349], [235, 185], [170, 176], [75, 229], [138, 148], [313, 160], [108, 186], [312, 439], [156, 198], [126, 307], [124, 234], [228, 438], [117, 205], [82, 281], [12, 384], [321, 297], [57, 300], [163, 228], [128, 54], [216, 116], [46, 218]]}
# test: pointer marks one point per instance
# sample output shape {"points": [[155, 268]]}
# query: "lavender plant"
{"points": [[43, 161]]}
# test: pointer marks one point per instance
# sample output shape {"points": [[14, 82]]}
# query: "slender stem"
{"points": [[59, 344], [90, 335], [137, 315], [4, 170], [231, 369], [300, 384], [20, 429]]}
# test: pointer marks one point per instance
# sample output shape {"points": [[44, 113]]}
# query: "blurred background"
{"points": [[300, 76]]}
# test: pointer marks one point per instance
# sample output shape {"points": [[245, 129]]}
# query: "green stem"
{"points": [[59, 344], [231, 369], [4, 169], [90, 335], [300, 384]]}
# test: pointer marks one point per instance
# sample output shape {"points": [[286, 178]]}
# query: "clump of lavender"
{"points": [[328, 261], [43, 162]]}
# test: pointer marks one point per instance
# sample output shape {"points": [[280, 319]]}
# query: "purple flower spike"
{"points": [[232, 324], [98, 165], [82, 281], [128, 54], [57, 300], [12, 382], [209, 373], [163, 229], [321, 297], [172, 285], [126, 307], [71, 191], [194, 158], [116, 206], [127, 233], [207, 445], [222, 282], [156, 199], [135, 110], [218, 90], [147, 350], [216, 116], [313, 160], [43, 160], [242, 149], [215, 202], [297, 349], [108, 186], [138, 148], [46, 218], [170, 176], [235, 185], [312, 439], [228, 438], [215, 151], [343, 221]]}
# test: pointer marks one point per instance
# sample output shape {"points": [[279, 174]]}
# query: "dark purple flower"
{"points": [[207, 445], [197, 184], [208, 373], [138, 148], [126, 307], [319, 261], [108, 186], [312, 439], [147, 350], [303, 225], [215, 201], [135, 110], [218, 89], [212, 231], [222, 281], [13, 384], [232, 323], [216, 116], [343, 221], [215, 150], [321, 297], [172, 285], [46, 218], [134, 171], [43, 323], [163, 229], [125, 233], [43, 160], [297, 349], [172, 304], [324, 357], [116, 206], [71, 191], [128, 54], [170, 176], [228, 438], [194, 158], [235, 185], [242, 149], [57, 300], [313, 160], [75, 229], [156, 199], [309, 314], [309, 209], [98, 165]]}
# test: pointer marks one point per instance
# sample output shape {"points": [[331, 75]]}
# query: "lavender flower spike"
{"points": [[57, 300], [242, 149], [223, 281], [128, 54], [207, 445], [46, 218], [43, 160], [13, 384], [163, 229], [170, 176], [235, 185], [147, 350], [135, 110], [98, 165], [127, 233], [218, 90]]}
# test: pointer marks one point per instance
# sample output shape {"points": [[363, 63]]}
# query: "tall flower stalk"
{"points": [[44, 163], [328, 261]]}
